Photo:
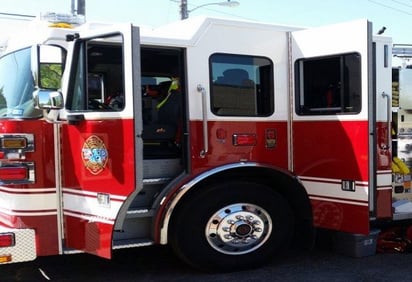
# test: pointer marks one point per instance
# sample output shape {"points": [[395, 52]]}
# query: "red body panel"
{"points": [[340, 216], [43, 156], [384, 203], [384, 155], [221, 148], [322, 149], [24, 209], [83, 179], [383, 164], [92, 237], [334, 150], [331, 149], [118, 173]]}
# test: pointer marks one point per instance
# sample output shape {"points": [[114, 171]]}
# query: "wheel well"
{"points": [[282, 182]]}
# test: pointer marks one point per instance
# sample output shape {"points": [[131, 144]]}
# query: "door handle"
{"points": [[205, 149], [388, 119], [75, 119]]}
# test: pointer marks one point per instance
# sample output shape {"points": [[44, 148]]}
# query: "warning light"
{"points": [[5, 258], [244, 139], [11, 173], [13, 143], [7, 240]]}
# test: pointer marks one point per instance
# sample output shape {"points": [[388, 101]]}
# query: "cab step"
{"points": [[139, 213], [156, 181], [131, 243]]}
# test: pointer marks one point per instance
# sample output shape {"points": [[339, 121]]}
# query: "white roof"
{"points": [[186, 32]]}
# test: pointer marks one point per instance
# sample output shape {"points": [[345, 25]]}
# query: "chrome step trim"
{"points": [[153, 181], [131, 243], [139, 212]]}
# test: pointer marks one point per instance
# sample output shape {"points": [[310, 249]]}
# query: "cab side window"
{"points": [[241, 85], [328, 85], [98, 83]]}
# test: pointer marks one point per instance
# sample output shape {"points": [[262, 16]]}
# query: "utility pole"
{"points": [[80, 8], [184, 14]]}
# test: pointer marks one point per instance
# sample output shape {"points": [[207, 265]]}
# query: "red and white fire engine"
{"points": [[225, 139]]}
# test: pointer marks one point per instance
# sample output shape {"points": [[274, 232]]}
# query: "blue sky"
{"points": [[395, 15]]}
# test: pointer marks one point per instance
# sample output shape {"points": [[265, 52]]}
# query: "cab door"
{"points": [[101, 137], [333, 122]]}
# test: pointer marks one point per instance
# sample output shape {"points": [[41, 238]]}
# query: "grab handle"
{"points": [[388, 119], [205, 149]]}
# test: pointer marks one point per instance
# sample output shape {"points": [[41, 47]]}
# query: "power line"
{"points": [[17, 15], [390, 7], [228, 14], [402, 3]]}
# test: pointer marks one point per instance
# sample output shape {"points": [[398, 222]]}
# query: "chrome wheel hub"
{"points": [[238, 229]]}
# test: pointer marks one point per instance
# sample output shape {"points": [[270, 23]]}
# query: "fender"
{"points": [[171, 200]]}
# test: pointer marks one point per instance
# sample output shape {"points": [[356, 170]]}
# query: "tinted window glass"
{"points": [[329, 85], [241, 85], [98, 78]]}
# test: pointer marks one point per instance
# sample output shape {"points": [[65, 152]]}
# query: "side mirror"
{"points": [[47, 66], [48, 100]]}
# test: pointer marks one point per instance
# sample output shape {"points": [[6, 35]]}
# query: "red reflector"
{"points": [[220, 134], [244, 139], [13, 173], [6, 240], [270, 138]]}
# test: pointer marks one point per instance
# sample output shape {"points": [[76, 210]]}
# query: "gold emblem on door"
{"points": [[94, 154]]}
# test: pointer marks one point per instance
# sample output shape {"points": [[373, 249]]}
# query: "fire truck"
{"points": [[402, 124], [227, 140]]}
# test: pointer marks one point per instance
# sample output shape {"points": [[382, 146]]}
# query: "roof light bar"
{"points": [[63, 18]]}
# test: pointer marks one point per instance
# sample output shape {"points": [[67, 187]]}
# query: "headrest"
{"points": [[235, 76]]}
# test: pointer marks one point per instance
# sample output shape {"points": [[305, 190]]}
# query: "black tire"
{"points": [[231, 226]]}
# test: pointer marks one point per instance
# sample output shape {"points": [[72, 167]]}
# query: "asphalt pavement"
{"points": [[160, 264]]}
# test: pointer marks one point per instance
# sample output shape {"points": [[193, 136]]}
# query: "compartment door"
{"points": [[333, 122]]}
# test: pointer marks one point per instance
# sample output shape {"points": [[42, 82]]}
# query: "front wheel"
{"points": [[231, 226]]}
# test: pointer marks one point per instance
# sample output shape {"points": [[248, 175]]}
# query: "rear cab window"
{"points": [[328, 85], [241, 85]]}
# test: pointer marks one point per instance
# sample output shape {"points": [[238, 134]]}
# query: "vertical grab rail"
{"points": [[205, 149], [388, 117]]}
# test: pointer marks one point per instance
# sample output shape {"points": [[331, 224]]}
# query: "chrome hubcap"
{"points": [[238, 229]]}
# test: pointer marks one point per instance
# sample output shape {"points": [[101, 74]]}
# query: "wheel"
{"points": [[231, 226]]}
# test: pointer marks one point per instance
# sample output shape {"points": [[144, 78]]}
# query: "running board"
{"points": [[139, 213], [131, 243], [155, 181]]}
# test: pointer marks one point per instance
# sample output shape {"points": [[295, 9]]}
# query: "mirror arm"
{"points": [[53, 120]]}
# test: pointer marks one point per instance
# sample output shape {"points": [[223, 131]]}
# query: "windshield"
{"points": [[17, 86]]}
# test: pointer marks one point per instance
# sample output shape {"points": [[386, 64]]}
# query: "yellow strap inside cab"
{"points": [[173, 86]]}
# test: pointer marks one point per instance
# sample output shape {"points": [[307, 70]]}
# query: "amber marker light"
{"points": [[13, 143]]}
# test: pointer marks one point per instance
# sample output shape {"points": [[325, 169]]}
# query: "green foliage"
{"points": [[50, 76]]}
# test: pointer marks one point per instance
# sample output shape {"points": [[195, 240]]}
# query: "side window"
{"points": [[98, 76], [241, 85], [328, 85]]}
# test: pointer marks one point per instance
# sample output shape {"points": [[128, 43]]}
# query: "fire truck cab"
{"points": [[225, 139]]}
